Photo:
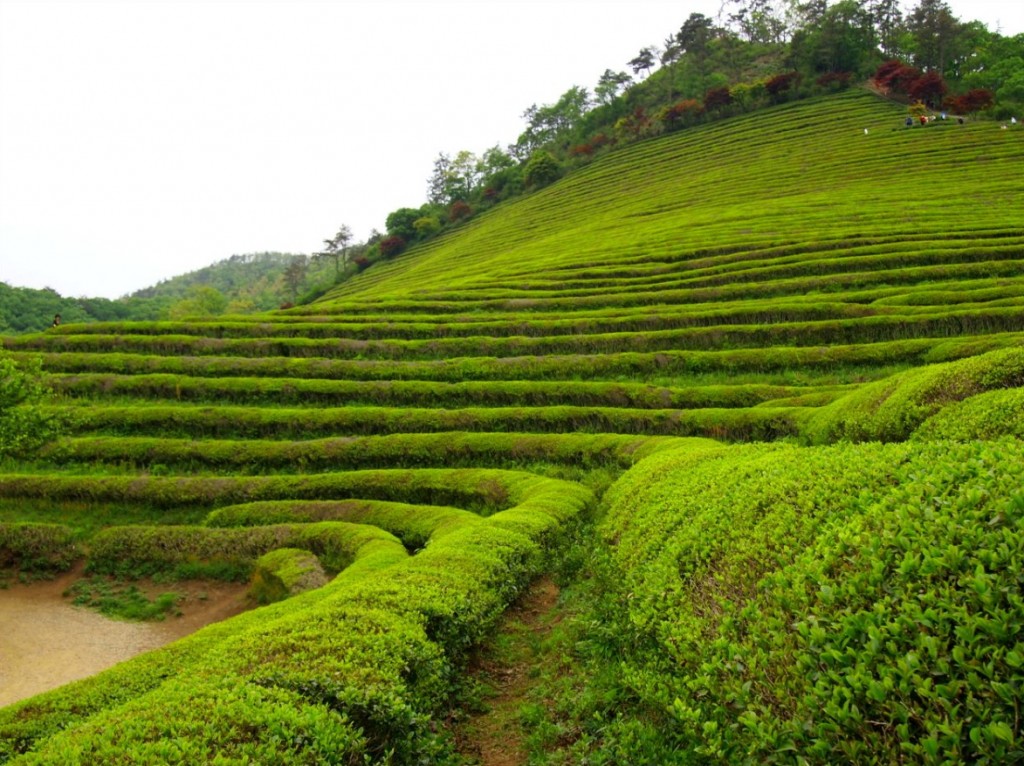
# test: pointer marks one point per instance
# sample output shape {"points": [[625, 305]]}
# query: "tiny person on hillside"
{"points": [[909, 122], [56, 320], [924, 120]]}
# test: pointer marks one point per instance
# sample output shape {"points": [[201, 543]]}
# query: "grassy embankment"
{"points": [[436, 430]]}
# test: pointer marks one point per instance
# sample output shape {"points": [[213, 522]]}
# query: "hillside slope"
{"points": [[436, 429]]}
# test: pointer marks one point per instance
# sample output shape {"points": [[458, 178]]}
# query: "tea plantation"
{"points": [[767, 373]]}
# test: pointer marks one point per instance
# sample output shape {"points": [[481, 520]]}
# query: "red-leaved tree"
{"points": [[929, 88], [391, 246], [459, 210], [972, 101], [716, 98]]}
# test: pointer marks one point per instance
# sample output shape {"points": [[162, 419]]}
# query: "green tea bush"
{"points": [[212, 721], [890, 409], [854, 604], [382, 650], [42, 548], [414, 525], [284, 572], [224, 553], [983, 416]]}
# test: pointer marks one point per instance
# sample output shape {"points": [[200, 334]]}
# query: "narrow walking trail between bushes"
{"points": [[495, 737], [46, 642]]}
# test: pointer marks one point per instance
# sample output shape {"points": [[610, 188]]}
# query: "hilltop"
{"points": [[750, 393], [239, 284]]}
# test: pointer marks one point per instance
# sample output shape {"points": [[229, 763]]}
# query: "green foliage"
{"points": [[982, 416], [891, 409], [541, 170], [37, 548], [284, 572], [121, 601], [844, 604], [199, 301], [24, 424], [436, 430]]}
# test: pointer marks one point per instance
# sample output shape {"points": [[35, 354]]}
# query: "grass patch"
{"points": [[121, 600]]}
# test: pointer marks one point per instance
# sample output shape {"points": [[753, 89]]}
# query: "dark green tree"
{"points": [[887, 16], [694, 39], [610, 85], [295, 276], [541, 170], [644, 61], [841, 40], [401, 222], [935, 34], [336, 249]]}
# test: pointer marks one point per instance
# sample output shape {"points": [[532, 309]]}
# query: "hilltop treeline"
{"points": [[756, 53]]}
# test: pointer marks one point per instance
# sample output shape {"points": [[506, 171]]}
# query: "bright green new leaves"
{"points": [[848, 604], [23, 426]]}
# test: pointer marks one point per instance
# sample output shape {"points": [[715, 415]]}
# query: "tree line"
{"points": [[753, 54], [241, 284]]}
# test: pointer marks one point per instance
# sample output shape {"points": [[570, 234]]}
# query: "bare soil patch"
{"points": [[46, 642]]}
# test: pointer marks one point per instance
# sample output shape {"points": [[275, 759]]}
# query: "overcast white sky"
{"points": [[144, 139]]}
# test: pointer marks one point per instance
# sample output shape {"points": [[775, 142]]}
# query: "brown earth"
{"points": [[495, 737], [46, 642]]}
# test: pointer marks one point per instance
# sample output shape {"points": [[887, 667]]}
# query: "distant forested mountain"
{"points": [[240, 284]]}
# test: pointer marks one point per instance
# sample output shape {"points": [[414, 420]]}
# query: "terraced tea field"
{"points": [[596, 358]]}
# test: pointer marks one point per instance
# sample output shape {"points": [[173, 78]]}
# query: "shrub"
{"points": [[886, 71], [781, 84], [391, 246], [897, 76], [851, 604], [928, 88], [426, 226], [681, 114], [42, 548], [717, 98], [891, 409], [541, 169], [459, 210], [990, 415], [974, 100], [283, 573]]}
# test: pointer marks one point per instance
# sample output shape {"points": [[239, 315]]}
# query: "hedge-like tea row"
{"points": [[381, 652], [334, 327], [414, 525], [44, 548], [285, 391], [552, 367], [482, 490], [447, 449], [855, 604], [756, 423], [890, 409], [141, 550], [984, 416], [873, 329]]}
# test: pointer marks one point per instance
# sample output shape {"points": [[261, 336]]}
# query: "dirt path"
{"points": [[46, 642], [495, 738]]}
